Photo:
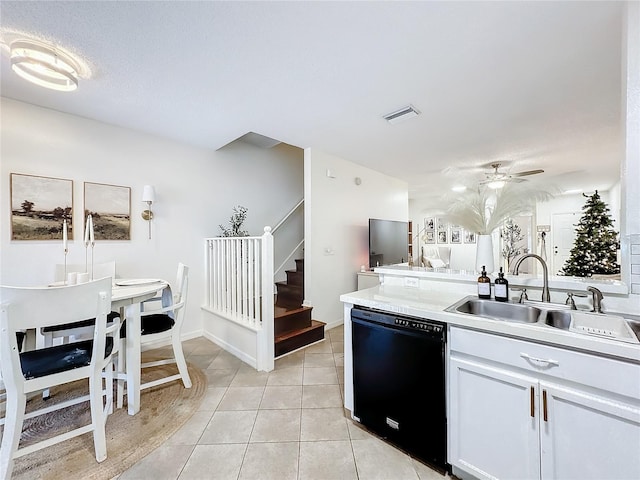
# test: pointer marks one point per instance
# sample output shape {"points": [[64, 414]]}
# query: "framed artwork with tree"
{"points": [[110, 209], [39, 207]]}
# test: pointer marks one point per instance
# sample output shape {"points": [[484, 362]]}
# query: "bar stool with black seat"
{"points": [[159, 325], [35, 370]]}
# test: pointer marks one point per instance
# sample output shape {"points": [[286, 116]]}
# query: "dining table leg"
{"points": [[133, 358]]}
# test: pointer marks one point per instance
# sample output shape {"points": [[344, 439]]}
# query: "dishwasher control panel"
{"points": [[430, 328], [425, 326]]}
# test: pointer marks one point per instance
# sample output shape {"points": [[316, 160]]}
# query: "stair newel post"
{"points": [[265, 347]]}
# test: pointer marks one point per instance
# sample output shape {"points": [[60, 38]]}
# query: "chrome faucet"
{"points": [[546, 295], [597, 299]]}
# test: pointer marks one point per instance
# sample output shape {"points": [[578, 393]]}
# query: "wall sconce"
{"points": [[149, 196]]}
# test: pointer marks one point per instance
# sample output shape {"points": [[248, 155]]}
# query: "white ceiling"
{"points": [[532, 84]]}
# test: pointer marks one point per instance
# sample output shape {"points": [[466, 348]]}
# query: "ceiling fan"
{"points": [[497, 179]]}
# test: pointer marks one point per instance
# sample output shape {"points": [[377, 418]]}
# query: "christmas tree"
{"points": [[596, 244]]}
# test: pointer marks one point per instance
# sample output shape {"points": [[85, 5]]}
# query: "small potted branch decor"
{"points": [[482, 210], [235, 223]]}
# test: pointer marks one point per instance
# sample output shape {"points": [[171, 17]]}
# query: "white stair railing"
{"points": [[239, 286]]}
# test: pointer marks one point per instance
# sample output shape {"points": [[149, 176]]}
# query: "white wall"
{"points": [[337, 213], [195, 191]]}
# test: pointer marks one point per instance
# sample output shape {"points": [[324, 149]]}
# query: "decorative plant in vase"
{"points": [[511, 234], [482, 210], [235, 223]]}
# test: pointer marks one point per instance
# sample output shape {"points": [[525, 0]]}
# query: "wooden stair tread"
{"points": [[314, 325], [283, 311]]}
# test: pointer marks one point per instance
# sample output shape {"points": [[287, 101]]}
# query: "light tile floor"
{"points": [[288, 424]]}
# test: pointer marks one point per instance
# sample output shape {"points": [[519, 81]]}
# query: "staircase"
{"points": [[293, 326]]}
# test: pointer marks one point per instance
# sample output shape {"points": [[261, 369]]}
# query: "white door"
{"points": [[563, 233], [493, 422], [588, 437]]}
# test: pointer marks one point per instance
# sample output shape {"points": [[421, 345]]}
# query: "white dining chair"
{"points": [[31, 371], [158, 325]]}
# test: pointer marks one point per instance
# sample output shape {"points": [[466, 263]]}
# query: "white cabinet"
{"points": [[530, 411], [588, 436], [491, 434]]}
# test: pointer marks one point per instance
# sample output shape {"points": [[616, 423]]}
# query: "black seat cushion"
{"points": [[83, 323], [60, 358], [156, 323]]}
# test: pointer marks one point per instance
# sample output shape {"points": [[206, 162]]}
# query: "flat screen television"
{"points": [[388, 242]]}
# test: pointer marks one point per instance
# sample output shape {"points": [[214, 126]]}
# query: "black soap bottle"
{"points": [[501, 287], [484, 284]]}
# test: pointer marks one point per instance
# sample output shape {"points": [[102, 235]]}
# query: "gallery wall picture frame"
{"points": [[428, 229], [443, 225], [429, 224], [442, 236], [469, 237], [39, 206], [110, 209], [456, 234]]}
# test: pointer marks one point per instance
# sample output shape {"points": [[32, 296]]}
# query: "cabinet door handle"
{"points": [[548, 361], [544, 405], [533, 403]]}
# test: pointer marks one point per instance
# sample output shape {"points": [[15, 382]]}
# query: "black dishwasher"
{"points": [[399, 381]]}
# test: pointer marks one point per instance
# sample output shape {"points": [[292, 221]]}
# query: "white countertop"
{"points": [[432, 304]]}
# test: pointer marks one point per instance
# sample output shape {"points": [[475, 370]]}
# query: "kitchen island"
{"points": [[523, 400]]}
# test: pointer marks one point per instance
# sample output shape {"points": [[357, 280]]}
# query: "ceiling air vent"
{"points": [[401, 115]]}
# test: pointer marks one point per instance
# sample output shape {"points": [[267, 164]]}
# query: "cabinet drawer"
{"points": [[606, 374]]}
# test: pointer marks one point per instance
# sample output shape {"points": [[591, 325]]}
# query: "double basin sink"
{"points": [[551, 315]]}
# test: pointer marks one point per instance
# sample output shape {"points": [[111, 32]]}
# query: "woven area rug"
{"points": [[164, 409]]}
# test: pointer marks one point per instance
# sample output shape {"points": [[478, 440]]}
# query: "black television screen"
{"points": [[388, 242]]}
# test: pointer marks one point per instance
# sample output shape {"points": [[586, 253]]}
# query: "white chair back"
{"points": [[25, 308]]}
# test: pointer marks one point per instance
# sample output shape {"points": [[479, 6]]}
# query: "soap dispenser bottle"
{"points": [[484, 285], [501, 287]]}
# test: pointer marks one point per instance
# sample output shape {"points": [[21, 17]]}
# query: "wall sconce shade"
{"points": [[44, 65], [149, 196]]}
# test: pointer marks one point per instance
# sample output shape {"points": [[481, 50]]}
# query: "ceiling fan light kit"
{"points": [[497, 179]]}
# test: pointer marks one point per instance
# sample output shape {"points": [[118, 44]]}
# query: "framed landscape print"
{"points": [[39, 206], [110, 209]]}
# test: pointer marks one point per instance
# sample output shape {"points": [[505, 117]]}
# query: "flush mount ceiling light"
{"points": [[44, 65], [401, 115]]}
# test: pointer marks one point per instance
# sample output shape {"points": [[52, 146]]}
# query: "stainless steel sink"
{"points": [[510, 312], [614, 327], [558, 319]]}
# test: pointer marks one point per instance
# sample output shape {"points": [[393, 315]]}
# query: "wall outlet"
{"points": [[411, 282]]}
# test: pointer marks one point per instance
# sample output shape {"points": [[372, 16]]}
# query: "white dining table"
{"points": [[127, 296]]}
